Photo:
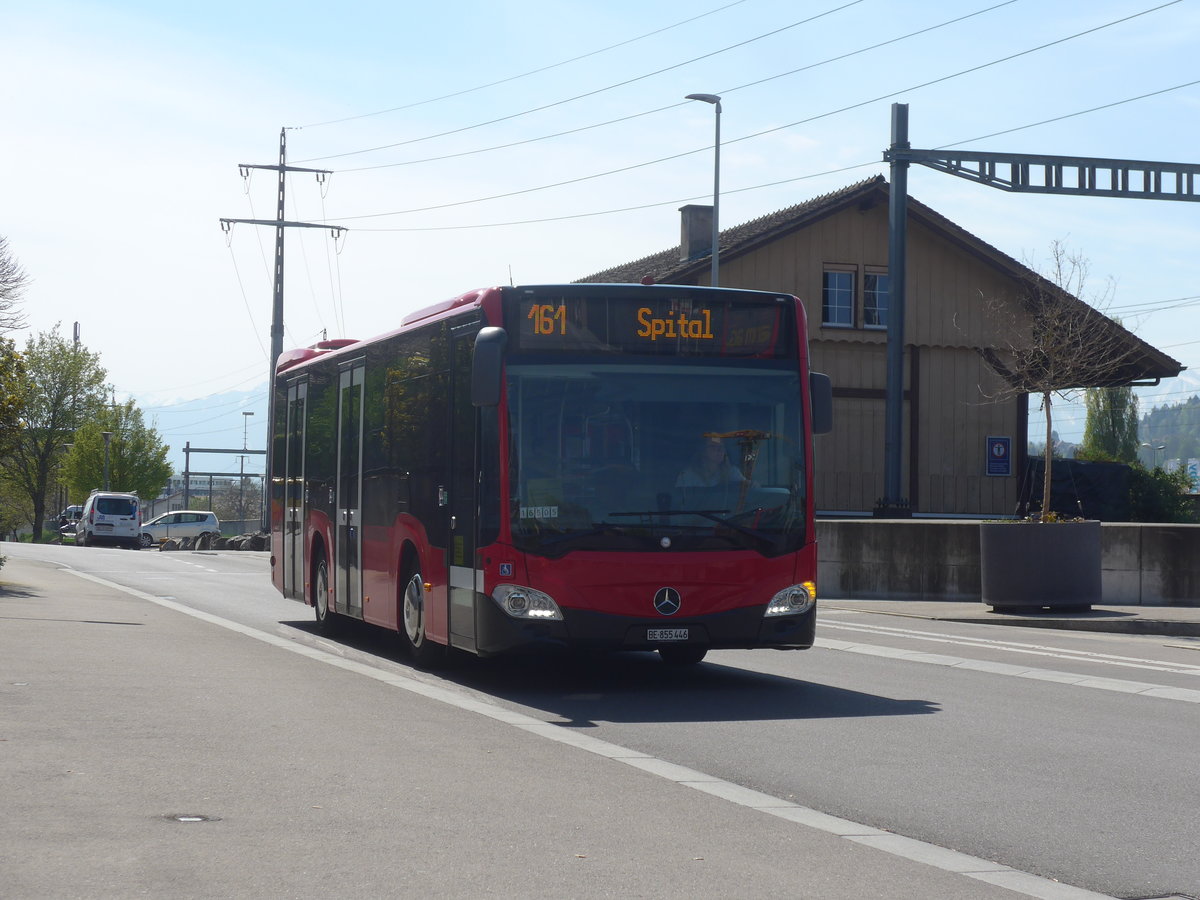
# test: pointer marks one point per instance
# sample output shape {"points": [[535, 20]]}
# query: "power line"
{"points": [[158, 389], [591, 93], [805, 121], [722, 92], [1081, 112], [537, 71], [606, 212], [1158, 305]]}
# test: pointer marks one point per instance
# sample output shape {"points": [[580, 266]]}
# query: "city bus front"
{"points": [[656, 469]]}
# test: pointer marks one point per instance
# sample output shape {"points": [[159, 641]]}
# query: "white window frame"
{"points": [[850, 272], [873, 310]]}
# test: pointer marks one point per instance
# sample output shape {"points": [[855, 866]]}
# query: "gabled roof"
{"points": [[665, 267]]}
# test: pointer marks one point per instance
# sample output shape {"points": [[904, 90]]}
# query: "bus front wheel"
{"points": [[424, 652]]}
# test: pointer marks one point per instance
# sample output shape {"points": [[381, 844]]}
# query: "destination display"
{"points": [[660, 326]]}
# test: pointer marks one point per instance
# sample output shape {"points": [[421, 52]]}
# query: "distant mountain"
{"points": [[213, 422], [1172, 431]]}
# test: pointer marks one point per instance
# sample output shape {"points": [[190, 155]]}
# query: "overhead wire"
{"points": [[721, 92], [606, 212], [245, 299], [159, 389], [768, 131], [536, 71], [338, 297], [312, 288], [592, 93]]}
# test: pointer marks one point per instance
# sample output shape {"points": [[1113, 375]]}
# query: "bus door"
{"points": [[294, 488], [465, 578], [348, 574]]}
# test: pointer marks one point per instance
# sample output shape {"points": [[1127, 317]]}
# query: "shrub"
{"points": [[1156, 495]]}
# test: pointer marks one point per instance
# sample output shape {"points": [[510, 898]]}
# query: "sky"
{"points": [[525, 141]]}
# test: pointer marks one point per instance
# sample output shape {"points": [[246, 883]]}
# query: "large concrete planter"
{"points": [[1039, 565]]}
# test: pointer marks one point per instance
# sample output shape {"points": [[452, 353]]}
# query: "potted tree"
{"points": [[1053, 343]]}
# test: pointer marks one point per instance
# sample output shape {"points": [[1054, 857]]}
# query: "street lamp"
{"points": [[716, 229], [107, 440], [1154, 448]]}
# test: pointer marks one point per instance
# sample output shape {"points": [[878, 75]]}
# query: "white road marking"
{"points": [[1143, 688], [906, 848], [1131, 662]]}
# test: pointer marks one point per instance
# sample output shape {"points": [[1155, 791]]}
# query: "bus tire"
{"points": [[424, 652], [326, 618], [682, 656]]}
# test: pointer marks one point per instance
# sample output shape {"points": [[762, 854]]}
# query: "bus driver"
{"points": [[709, 467]]}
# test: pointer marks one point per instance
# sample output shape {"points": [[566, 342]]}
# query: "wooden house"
{"points": [[832, 252]]}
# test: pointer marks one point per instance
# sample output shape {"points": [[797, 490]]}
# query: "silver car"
{"points": [[175, 525]]}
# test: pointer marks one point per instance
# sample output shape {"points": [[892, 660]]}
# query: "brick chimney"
{"points": [[695, 233]]}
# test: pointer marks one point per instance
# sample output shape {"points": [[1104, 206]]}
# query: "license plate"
{"points": [[104, 526], [666, 634]]}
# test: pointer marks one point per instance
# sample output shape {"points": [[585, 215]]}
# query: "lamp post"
{"points": [[1154, 448], [242, 470], [107, 440], [716, 228]]}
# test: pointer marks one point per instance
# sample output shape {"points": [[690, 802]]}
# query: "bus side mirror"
{"points": [[488, 365], [821, 397]]}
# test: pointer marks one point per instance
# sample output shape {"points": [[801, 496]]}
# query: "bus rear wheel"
{"points": [[424, 652], [326, 618], [682, 656]]}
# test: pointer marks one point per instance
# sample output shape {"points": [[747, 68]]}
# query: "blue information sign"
{"points": [[999, 456]]}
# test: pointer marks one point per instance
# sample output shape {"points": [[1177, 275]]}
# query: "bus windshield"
{"points": [[656, 455]]}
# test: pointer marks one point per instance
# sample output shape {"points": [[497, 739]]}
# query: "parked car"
{"points": [[68, 516], [109, 517], [192, 523]]}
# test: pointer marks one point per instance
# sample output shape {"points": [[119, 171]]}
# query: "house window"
{"points": [[837, 299], [876, 288]]}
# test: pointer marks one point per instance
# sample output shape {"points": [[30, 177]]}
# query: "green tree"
{"points": [[1111, 432], [12, 395], [137, 457], [64, 387]]}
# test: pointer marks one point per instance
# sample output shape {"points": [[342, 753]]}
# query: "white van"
{"points": [[110, 518]]}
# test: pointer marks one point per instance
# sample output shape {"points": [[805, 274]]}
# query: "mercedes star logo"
{"points": [[666, 601]]}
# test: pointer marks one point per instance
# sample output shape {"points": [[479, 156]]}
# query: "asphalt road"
{"points": [[1068, 756]]}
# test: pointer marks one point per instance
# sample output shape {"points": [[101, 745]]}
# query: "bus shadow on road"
{"points": [[638, 687], [634, 687]]}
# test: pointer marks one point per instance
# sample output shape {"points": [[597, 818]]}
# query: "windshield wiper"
{"points": [[720, 516]]}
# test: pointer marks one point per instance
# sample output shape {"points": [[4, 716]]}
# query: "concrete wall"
{"points": [[938, 559]]}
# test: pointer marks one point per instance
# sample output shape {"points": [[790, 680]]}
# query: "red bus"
{"points": [[582, 466]]}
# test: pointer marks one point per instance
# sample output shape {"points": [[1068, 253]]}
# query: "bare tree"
{"points": [[13, 282], [1055, 343]]}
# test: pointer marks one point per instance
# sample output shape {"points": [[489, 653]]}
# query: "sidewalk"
{"points": [[1173, 621]]}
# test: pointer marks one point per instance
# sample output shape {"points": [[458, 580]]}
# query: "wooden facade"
{"points": [[949, 410]]}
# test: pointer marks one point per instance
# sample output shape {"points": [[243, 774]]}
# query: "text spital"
{"points": [[674, 326]]}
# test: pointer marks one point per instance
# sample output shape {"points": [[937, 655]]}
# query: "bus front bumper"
{"points": [[743, 628]]}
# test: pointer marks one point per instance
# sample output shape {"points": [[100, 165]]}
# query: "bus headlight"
{"points": [[526, 603], [792, 601]]}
